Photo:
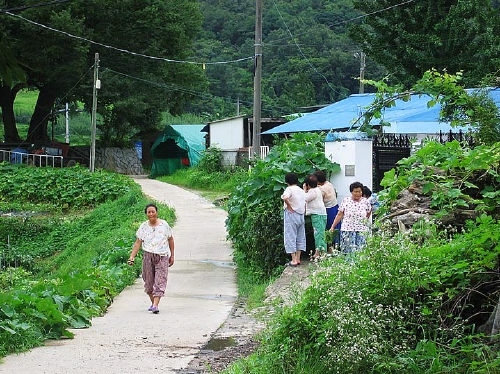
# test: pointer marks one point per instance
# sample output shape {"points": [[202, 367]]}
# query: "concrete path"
{"points": [[201, 292]]}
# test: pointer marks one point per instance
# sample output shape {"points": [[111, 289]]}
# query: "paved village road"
{"points": [[201, 292]]}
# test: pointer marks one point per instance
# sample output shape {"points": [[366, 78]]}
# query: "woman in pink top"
{"points": [[353, 212]]}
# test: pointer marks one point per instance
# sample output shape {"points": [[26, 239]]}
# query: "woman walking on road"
{"points": [[155, 237]]}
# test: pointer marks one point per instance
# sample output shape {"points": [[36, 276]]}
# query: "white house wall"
{"points": [[227, 134], [355, 160]]}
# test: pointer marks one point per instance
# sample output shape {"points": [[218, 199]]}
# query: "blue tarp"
{"points": [[17, 155], [411, 117]]}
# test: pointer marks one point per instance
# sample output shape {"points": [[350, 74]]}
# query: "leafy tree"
{"points": [[411, 38], [58, 65], [136, 90], [49, 60]]}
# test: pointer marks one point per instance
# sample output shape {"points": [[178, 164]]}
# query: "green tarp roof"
{"points": [[175, 143]]}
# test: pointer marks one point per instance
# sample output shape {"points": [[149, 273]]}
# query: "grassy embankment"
{"points": [[60, 263]]}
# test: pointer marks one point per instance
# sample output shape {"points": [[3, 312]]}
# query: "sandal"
{"points": [[155, 310], [290, 264]]}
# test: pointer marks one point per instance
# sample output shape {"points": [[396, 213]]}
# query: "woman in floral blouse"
{"points": [[353, 212]]}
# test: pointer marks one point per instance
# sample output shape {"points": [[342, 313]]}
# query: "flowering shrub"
{"points": [[403, 306]]}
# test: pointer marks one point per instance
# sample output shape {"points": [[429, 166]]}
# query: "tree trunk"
{"points": [[7, 97], [39, 120]]}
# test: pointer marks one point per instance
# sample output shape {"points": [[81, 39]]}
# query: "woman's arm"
{"points": [[172, 251], [135, 250], [336, 221]]}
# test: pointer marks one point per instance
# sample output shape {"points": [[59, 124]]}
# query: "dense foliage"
{"points": [[455, 179], [203, 55], [255, 208], [59, 270], [74, 187], [308, 58], [411, 37], [412, 302], [59, 66]]}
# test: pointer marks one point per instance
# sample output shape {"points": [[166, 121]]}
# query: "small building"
{"points": [[234, 136]]}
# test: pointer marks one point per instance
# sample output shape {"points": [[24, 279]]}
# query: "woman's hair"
{"points": [[150, 206], [355, 185], [366, 192], [291, 178], [321, 176], [312, 181]]}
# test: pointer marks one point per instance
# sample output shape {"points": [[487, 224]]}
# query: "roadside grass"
{"points": [[25, 101], [257, 363], [217, 183]]}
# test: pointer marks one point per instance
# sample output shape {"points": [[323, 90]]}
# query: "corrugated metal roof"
{"points": [[411, 117]]}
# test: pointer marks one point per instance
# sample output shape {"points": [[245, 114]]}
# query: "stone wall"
{"points": [[123, 161]]}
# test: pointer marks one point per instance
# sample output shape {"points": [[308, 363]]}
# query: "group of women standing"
{"points": [[318, 198]]}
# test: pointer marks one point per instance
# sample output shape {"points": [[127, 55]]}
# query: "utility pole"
{"points": [[257, 100], [96, 86], [66, 116], [362, 66]]}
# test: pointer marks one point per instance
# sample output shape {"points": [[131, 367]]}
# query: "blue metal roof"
{"points": [[410, 117]]}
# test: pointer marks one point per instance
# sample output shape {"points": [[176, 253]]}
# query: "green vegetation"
{"points": [[79, 121], [25, 104], [312, 52], [402, 308], [453, 35], [66, 188], [131, 100], [60, 262], [412, 302], [209, 176]]}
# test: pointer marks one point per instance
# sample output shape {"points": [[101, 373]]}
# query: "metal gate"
{"points": [[388, 149]]}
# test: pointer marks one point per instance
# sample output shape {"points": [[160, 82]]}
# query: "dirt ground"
{"points": [[236, 338]]}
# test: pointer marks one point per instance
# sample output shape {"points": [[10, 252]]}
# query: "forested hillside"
{"points": [[312, 49], [196, 57], [308, 59]]}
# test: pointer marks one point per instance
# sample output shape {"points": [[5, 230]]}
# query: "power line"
{"points": [[302, 53], [346, 21], [125, 50], [175, 87], [370, 14]]}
